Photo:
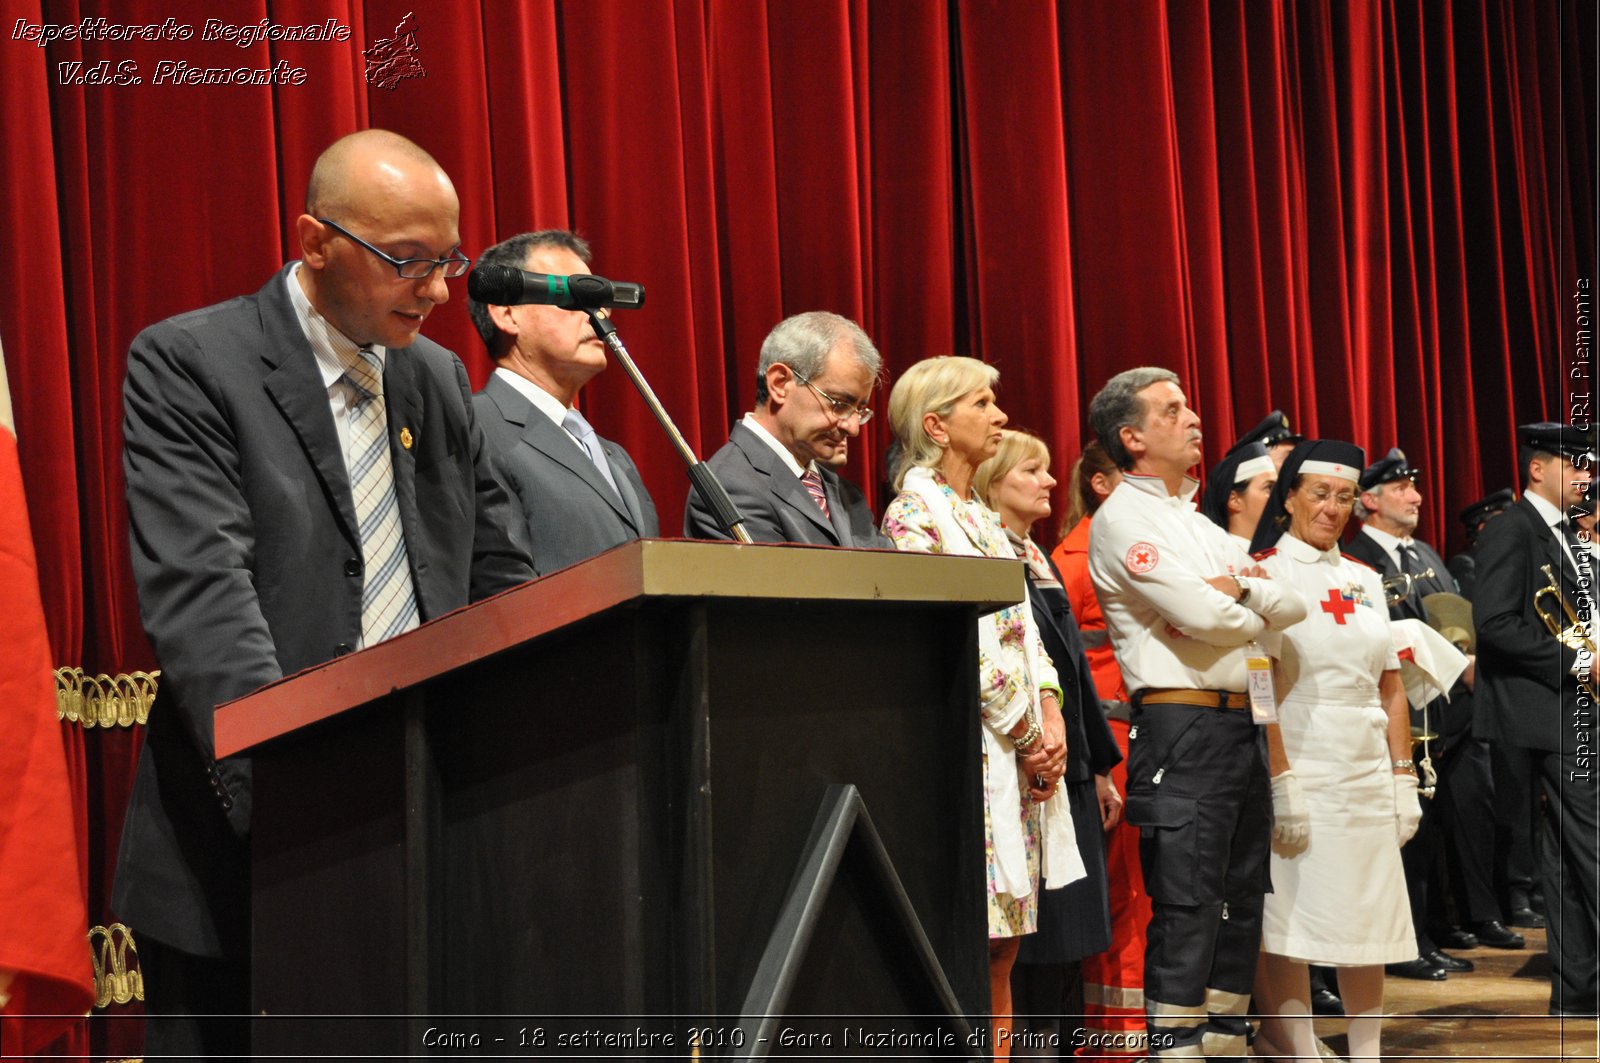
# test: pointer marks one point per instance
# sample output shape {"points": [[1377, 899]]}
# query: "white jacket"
{"points": [[1150, 554]]}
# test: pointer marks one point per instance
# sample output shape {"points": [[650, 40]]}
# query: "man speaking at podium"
{"points": [[813, 384], [305, 477]]}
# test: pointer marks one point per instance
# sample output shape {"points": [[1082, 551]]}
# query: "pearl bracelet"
{"points": [[1028, 737]]}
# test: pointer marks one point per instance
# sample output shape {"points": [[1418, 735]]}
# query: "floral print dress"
{"points": [[909, 524]]}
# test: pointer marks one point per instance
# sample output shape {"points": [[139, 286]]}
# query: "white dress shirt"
{"points": [[543, 401], [1554, 518], [1391, 545], [778, 448], [335, 353], [1583, 566]]}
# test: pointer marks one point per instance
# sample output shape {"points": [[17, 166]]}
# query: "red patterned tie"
{"points": [[813, 481]]}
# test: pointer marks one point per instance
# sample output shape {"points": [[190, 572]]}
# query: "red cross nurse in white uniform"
{"points": [[1339, 895]]}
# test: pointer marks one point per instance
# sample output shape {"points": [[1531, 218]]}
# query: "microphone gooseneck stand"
{"points": [[705, 482]]}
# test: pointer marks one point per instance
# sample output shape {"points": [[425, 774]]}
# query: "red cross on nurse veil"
{"points": [[1338, 604]]}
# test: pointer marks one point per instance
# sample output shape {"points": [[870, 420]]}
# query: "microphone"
{"points": [[509, 286]]}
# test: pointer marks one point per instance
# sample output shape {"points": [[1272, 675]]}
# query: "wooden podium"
{"points": [[684, 798]]}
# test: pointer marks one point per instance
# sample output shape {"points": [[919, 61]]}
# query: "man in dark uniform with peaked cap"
{"points": [[1537, 698], [1389, 507], [1464, 566], [1273, 433]]}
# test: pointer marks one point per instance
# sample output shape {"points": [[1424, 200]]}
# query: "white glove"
{"points": [[1407, 808], [1291, 823]]}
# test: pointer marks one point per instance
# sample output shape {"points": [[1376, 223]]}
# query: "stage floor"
{"points": [[1496, 1012]]}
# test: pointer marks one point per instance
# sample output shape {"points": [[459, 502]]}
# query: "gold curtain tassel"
{"points": [[121, 700]]}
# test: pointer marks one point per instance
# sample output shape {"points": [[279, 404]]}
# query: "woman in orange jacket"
{"points": [[1113, 981]]}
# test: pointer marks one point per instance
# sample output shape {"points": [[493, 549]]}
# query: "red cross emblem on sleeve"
{"points": [[1338, 605], [1141, 557]]}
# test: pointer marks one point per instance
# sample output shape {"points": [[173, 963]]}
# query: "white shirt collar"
{"points": [[335, 352], [778, 448], [1554, 518], [1389, 542], [1550, 514], [542, 400], [1157, 487], [1300, 550]]}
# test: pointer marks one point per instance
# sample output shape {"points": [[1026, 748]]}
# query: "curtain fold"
{"points": [[913, 211], [1022, 313], [1373, 214]]}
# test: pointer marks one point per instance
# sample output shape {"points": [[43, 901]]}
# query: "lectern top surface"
{"points": [[641, 570]]}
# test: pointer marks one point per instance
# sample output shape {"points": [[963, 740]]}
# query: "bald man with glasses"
{"points": [[814, 384], [305, 478]]}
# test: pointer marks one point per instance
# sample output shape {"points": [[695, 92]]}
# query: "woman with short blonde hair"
{"points": [[933, 385]]}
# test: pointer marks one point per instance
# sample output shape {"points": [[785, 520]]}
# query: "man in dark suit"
{"points": [[305, 477], [1390, 506], [1533, 702], [580, 494], [813, 383], [1479, 860], [1463, 566]]}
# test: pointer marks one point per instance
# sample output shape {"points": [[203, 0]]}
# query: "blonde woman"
{"points": [[1074, 922], [947, 423]]}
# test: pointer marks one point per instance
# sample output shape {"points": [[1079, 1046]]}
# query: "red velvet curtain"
{"points": [[1373, 215]]}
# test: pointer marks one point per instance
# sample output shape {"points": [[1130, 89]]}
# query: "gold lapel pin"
{"points": [[405, 438]]}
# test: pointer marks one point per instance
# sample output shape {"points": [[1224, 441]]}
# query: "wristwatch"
{"points": [[1244, 587]]}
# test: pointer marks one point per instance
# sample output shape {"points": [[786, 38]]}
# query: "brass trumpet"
{"points": [[1397, 588], [1574, 634]]}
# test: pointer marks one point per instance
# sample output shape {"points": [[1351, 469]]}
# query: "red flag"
{"points": [[44, 923]]}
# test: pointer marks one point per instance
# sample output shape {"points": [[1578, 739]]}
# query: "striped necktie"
{"points": [[813, 481], [388, 599]]}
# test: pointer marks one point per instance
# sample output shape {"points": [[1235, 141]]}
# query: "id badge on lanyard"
{"points": [[1263, 698]]}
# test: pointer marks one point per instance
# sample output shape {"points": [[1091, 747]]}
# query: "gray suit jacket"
{"points": [[570, 511], [775, 504], [248, 564]]}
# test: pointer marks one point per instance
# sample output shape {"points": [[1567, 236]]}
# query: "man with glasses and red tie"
{"points": [[305, 478], [813, 385], [1390, 507]]}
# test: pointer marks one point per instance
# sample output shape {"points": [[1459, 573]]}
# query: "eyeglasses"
{"points": [[411, 269], [1344, 499], [840, 409]]}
